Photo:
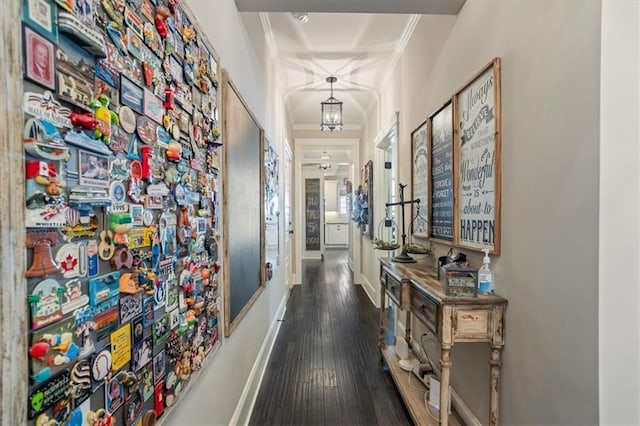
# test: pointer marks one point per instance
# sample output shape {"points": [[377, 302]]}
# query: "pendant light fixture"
{"points": [[331, 111]]}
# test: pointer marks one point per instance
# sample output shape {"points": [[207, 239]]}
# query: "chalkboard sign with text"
{"points": [[477, 160], [419, 181], [312, 213], [441, 185]]}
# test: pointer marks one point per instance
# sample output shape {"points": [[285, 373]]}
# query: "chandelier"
{"points": [[331, 111]]}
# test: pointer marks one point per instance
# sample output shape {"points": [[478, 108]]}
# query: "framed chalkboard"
{"points": [[477, 165], [243, 202], [440, 147], [419, 181], [312, 213]]}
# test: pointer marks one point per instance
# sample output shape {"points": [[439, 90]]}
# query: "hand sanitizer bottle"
{"points": [[485, 277]]}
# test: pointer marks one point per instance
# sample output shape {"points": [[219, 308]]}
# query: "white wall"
{"points": [[421, 53], [214, 396], [619, 295], [548, 269]]}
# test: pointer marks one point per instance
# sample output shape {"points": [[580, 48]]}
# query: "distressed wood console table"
{"points": [[415, 288]]}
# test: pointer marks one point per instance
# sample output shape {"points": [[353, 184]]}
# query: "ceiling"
{"points": [[357, 41]]}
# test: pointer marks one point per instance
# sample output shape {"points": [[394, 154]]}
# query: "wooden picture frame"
{"points": [[477, 160], [244, 215], [420, 182], [441, 181]]}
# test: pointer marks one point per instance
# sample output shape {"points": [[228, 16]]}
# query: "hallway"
{"points": [[324, 368]]}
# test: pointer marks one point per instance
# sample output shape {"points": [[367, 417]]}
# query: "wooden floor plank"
{"points": [[324, 368]]}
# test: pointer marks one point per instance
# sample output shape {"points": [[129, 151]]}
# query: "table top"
{"points": [[424, 278]]}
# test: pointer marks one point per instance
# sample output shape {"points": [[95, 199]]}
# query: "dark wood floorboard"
{"points": [[324, 368]]}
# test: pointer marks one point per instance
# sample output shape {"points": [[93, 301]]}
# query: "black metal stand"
{"points": [[403, 257]]}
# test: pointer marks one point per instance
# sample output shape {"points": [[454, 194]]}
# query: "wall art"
{"points": [[39, 59], [478, 147], [419, 181], [441, 189]]}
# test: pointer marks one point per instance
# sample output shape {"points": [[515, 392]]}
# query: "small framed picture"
{"points": [[39, 59], [41, 15], [153, 106], [131, 95], [94, 169], [158, 367]]}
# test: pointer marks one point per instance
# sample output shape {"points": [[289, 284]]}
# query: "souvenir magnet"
{"points": [[41, 139], [147, 217], [72, 260], [47, 394], [163, 137], [158, 399], [92, 258], [175, 131], [105, 118], [100, 417], [42, 263], [106, 247], [88, 346], [132, 150], [122, 259], [121, 224], [104, 287], [127, 119], [73, 297], [146, 152], [117, 36], [146, 129], [159, 367], [84, 35], [46, 303], [117, 193], [80, 382], [46, 107], [45, 201], [101, 366], [132, 21], [153, 107]]}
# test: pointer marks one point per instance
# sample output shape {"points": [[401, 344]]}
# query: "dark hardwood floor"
{"points": [[324, 368]]}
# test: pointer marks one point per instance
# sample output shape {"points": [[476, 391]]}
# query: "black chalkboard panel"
{"points": [[441, 188], [312, 213], [244, 207]]}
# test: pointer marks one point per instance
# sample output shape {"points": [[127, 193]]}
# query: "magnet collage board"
{"points": [[123, 189]]}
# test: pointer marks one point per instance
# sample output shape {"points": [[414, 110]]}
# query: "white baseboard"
{"points": [[242, 413], [369, 290], [467, 417]]}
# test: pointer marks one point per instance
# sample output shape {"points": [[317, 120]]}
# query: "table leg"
{"points": [[445, 367], [383, 313], [495, 363], [407, 328]]}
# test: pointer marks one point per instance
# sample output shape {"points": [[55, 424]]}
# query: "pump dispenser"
{"points": [[485, 277]]}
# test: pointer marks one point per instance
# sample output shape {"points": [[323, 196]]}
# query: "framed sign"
{"points": [[440, 186], [244, 213], [312, 213], [419, 180], [477, 165]]}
